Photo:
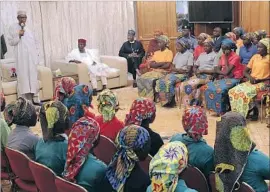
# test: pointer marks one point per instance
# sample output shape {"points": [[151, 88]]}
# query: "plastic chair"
{"points": [[105, 149], [65, 186], [195, 179], [19, 165], [44, 177], [145, 164]]}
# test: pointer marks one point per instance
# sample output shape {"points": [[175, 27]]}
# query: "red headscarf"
{"points": [[140, 110], [195, 122], [83, 134], [65, 86]]}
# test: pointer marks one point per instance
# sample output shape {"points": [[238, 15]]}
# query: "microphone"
{"points": [[22, 25]]}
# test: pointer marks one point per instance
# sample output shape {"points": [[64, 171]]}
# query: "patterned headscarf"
{"points": [[166, 165], [231, 36], [248, 36], [239, 30], [65, 86], [84, 133], [20, 112], [195, 122], [78, 102], [261, 33], [2, 101], [130, 139], [204, 35], [107, 104], [232, 147], [165, 39], [183, 42], [266, 42], [141, 109], [210, 41], [53, 119]]}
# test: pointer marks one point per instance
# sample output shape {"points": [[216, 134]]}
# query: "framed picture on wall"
{"points": [[182, 16]]}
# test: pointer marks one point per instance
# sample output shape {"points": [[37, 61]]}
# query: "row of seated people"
{"points": [[73, 157], [210, 79]]}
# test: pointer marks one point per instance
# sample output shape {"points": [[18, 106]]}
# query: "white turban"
{"points": [[21, 13]]}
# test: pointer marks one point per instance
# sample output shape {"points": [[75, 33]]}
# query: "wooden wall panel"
{"points": [[255, 15]]}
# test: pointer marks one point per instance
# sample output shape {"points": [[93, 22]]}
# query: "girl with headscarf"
{"points": [[152, 48], [82, 166], [258, 35], [239, 32], [200, 154], [108, 105], [5, 129], [230, 72], [133, 51], [181, 69], [200, 49], [51, 150], [165, 167], [78, 103], [235, 158], [124, 174], [189, 91], [258, 73], [22, 113], [143, 113], [158, 66], [63, 88], [248, 49]]}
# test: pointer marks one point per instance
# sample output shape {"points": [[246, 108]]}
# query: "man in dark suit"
{"points": [[218, 38]]}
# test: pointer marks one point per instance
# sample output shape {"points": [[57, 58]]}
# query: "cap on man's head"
{"points": [[186, 27], [20, 12], [131, 32], [82, 41]]}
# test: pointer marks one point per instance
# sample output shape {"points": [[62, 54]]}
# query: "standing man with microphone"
{"points": [[27, 59]]}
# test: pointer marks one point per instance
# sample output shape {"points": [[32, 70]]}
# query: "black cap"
{"points": [[186, 27]]}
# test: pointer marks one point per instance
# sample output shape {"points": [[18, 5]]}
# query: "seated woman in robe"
{"points": [[22, 113], [78, 103], [239, 32], [51, 150], [258, 35], [124, 173], [257, 72], [230, 72], [158, 66], [248, 49], [143, 113], [152, 47], [82, 166], [165, 167], [189, 92], [181, 69], [235, 156], [200, 154], [200, 48], [108, 105], [63, 88]]}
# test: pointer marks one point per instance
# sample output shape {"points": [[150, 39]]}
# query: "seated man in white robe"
{"points": [[92, 59]]}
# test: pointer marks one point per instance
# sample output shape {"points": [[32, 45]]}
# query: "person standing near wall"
{"points": [[27, 58]]}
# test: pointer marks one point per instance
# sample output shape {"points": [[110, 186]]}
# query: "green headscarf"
{"points": [[108, 104]]}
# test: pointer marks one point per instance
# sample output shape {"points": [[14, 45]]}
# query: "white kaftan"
{"points": [[26, 56]]}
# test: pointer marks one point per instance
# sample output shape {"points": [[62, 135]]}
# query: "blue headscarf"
{"points": [[183, 42], [78, 101], [240, 30], [228, 42], [129, 139]]}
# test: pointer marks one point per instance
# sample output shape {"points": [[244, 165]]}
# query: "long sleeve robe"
{"points": [[27, 59]]}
